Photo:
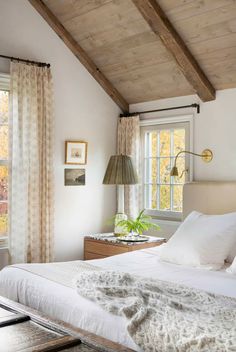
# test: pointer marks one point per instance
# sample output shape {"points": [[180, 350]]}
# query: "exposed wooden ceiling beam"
{"points": [[161, 25], [78, 51]]}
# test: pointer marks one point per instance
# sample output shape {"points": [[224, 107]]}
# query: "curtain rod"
{"points": [[197, 106], [40, 64]]}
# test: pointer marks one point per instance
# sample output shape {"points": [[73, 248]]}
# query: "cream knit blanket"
{"points": [[162, 316]]}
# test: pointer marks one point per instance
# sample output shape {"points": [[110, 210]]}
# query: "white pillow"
{"points": [[202, 241]]}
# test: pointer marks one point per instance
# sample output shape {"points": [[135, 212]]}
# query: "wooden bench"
{"points": [[23, 329]]}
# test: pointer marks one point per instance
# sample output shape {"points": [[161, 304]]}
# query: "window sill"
{"points": [[4, 243], [174, 222], [165, 215], [4, 249]]}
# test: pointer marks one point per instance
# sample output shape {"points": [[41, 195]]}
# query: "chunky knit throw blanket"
{"points": [[162, 316]]}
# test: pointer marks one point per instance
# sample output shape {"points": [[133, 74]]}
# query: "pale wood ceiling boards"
{"points": [[161, 25], [209, 30], [118, 40], [79, 53]]}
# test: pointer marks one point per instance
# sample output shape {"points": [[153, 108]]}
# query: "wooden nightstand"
{"points": [[106, 245]]}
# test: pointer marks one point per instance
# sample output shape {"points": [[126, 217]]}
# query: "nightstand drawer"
{"points": [[91, 256], [105, 249]]}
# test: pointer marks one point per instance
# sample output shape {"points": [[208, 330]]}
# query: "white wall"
{"points": [[83, 111], [214, 128]]}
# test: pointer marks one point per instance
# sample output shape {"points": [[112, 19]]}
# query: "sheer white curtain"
{"points": [[31, 174], [128, 143]]}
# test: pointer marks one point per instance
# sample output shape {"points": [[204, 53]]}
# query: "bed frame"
{"points": [[209, 197]]}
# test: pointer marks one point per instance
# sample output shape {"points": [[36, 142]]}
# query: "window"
{"points": [[4, 156], [162, 194]]}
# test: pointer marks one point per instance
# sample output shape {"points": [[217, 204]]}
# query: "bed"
{"points": [[61, 301]]}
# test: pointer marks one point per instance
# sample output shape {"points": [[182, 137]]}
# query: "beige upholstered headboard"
{"points": [[209, 197]]}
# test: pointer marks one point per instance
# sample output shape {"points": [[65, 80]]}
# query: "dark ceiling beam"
{"points": [[160, 24], [79, 52]]}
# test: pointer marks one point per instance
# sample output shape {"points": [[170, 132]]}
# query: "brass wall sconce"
{"points": [[206, 156]]}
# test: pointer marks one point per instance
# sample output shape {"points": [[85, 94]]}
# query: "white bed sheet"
{"points": [[64, 303]]}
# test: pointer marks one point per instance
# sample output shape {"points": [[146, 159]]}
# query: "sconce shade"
{"points": [[174, 171], [120, 171]]}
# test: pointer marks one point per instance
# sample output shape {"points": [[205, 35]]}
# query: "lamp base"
{"points": [[119, 230]]}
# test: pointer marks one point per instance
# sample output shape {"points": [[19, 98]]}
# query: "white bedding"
{"points": [[64, 303]]}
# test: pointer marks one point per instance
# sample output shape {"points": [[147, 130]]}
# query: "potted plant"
{"points": [[139, 225]]}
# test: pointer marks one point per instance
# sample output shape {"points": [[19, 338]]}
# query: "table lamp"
{"points": [[120, 171]]}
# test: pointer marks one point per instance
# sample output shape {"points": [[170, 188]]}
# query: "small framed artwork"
{"points": [[74, 177], [76, 152]]}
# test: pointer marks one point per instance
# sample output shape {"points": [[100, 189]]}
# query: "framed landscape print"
{"points": [[76, 152], [74, 177]]}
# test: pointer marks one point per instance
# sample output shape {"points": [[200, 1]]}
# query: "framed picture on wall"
{"points": [[74, 177], [76, 152]]}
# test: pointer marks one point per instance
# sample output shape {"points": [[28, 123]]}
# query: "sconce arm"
{"points": [[186, 152]]}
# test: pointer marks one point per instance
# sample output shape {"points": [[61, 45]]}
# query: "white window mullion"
{"points": [[171, 181], [146, 170], [149, 171], [158, 168]]}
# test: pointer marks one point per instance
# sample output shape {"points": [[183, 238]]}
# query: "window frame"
{"points": [[165, 123], [5, 86]]}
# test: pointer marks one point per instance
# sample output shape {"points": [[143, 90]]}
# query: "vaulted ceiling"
{"points": [[129, 46]]}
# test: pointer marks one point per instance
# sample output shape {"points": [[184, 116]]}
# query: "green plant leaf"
{"points": [[140, 224]]}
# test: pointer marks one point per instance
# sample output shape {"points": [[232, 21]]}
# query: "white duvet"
{"points": [[62, 302]]}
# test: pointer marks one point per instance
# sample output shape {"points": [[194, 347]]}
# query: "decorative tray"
{"points": [[133, 239]]}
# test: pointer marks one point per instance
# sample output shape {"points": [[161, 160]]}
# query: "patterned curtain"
{"points": [[31, 174], [128, 143]]}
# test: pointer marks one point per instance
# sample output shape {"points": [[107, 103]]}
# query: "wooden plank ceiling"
{"points": [[120, 42]]}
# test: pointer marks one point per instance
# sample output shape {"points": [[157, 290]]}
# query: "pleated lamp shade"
{"points": [[120, 171]]}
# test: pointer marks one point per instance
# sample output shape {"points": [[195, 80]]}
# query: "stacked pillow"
{"points": [[203, 241]]}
